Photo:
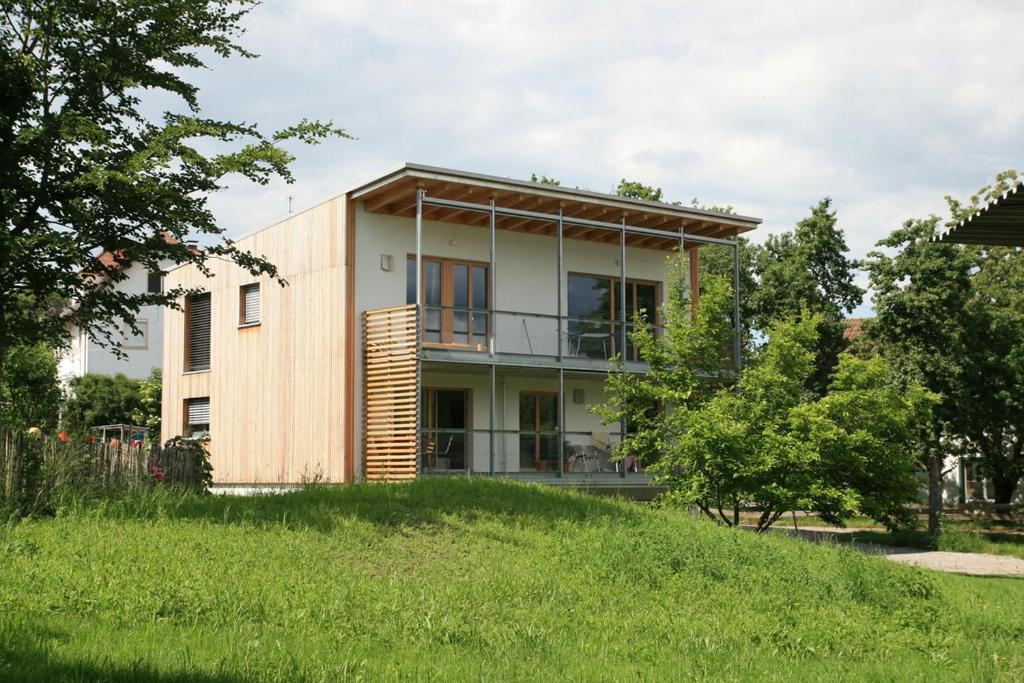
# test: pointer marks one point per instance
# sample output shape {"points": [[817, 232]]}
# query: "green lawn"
{"points": [[452, 579]]}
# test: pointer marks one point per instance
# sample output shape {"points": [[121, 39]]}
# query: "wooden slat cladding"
{"points": [[279, 396], [391, 383]]}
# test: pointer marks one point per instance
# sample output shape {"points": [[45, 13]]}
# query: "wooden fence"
{"points": [[31, 468]]}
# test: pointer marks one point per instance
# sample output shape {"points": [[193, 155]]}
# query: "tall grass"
{"points": [[460, 579]]}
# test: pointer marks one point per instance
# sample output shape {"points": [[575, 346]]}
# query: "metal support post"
{"points": [[622, 288], [493, 412], [736, 307], [492, 324], [419, 249], [558, 281], [561, 421]]}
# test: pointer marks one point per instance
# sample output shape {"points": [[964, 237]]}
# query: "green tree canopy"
{"points": [[84, 169], [544, 180], [31, 391], [767, 442], [97, 400], [808, 268], [953, 317]]}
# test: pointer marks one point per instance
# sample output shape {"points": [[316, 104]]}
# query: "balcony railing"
{"points": [[529, 454], [526, 334]]}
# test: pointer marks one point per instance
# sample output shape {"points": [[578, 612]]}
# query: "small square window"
{"points": [[133, 340], [155, 283], [249, 304]]}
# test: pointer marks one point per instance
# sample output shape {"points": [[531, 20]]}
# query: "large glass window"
{"points": [[538, 431], [594, 312], [454, 301]]}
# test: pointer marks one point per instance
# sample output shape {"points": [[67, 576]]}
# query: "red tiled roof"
{"points": [[853, 328]]}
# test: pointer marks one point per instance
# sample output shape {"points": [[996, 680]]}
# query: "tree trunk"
{"points": [[1004, 485], [934, 495]]}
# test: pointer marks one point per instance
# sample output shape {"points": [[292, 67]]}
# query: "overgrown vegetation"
{"points": [[103, 399], [765, 440], [41, 475], [454, 579]]}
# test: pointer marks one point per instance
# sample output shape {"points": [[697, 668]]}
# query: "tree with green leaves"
{"points": [[716, 260], [147, 413], [96, 400], [952, 317], [921, 294], [31, 391], [765, 442], [544, 180], [85, 170], [636, 190], [808, 268], [992, 410]]}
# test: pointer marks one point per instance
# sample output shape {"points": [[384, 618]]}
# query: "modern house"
{"points": [[434, 322], [142, 351]]}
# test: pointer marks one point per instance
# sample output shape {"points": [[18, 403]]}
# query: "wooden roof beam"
{"points": [[385, 198]]}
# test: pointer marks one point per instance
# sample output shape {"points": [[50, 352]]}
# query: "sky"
{"points": [[884, 106]]}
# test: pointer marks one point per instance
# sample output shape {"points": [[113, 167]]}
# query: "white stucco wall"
{"points": [[525, 281], [87, 356]]}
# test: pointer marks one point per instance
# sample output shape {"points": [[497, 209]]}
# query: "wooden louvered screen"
{"points": [[197, 332], [391, 388]]}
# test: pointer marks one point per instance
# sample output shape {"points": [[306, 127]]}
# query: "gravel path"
{"points": [[974, 564]]}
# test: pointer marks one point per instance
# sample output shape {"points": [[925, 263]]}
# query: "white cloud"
{"points": [[884, 106]]}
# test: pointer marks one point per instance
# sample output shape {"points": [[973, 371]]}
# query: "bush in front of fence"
{"points": [[39, 474]]}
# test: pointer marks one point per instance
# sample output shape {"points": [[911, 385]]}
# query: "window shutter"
{"points": [[199, 332], [251, 303], [199, 411]]}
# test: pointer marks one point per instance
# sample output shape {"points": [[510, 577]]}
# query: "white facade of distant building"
{"points": [[142, 352]]}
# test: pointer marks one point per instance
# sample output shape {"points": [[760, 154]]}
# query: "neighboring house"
{"points": [[142, 352], [434, 322]]}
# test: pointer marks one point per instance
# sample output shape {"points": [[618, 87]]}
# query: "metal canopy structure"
{"points": [[522, 206], [1001, 223]]}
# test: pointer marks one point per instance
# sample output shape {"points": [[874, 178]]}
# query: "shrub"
{"points": [[100, 400]]}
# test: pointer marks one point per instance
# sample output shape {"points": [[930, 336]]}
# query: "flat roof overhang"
{"points": [[1001, 223], [395, 194]]}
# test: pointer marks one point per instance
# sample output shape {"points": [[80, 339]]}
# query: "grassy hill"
{"points": [[458, 579]]}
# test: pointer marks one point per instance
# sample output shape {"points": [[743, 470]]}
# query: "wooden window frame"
{"points": [[448, 299], [536, 430], [242, 325]]}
